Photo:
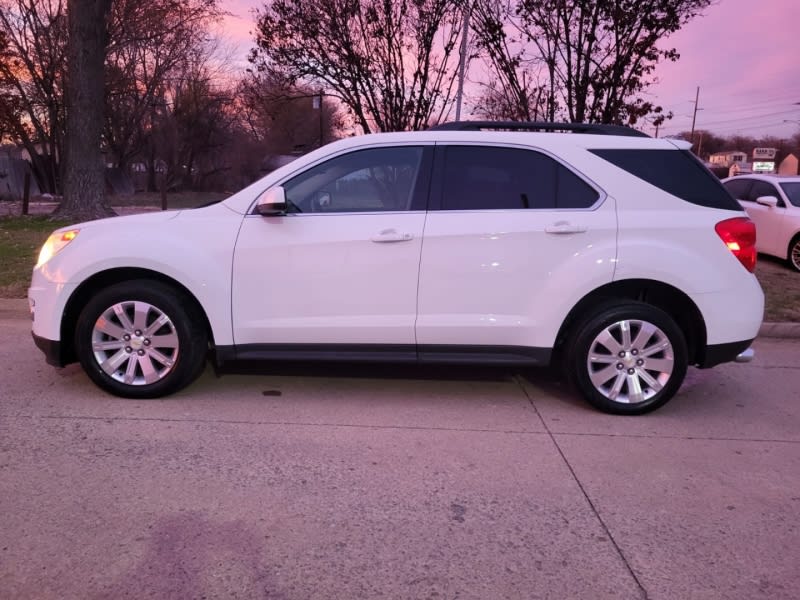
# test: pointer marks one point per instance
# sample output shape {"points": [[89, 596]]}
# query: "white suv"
{"points": [[616, 256], [773, 203]]}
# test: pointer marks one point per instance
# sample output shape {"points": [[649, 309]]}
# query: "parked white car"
{"points": [[612, 254], [773, 203]]}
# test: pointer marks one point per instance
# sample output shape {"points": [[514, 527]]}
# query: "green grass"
{"points": [[21, 238], [20, 241], [781, 285]]}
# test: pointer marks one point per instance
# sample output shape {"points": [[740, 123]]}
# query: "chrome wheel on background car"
{"points": [[627, 357], [141, 339], [135, 343], [794, 254]]}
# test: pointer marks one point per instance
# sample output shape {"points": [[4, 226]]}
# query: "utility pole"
{"points": [[694, 115], [316, 104], [462, 65]]}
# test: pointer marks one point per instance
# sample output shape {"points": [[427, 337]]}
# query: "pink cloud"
{"points": [[741, 56]]}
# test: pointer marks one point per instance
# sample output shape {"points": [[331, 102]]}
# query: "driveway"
{"points": [[307, 482]]}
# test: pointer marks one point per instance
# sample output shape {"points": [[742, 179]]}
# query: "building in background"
{"points": [[789, 166], [727, 159]]}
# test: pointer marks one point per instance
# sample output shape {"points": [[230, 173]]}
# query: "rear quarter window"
{"points": [[677, 172]]}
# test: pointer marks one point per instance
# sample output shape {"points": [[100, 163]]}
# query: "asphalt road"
{"points": [[396, 483]]}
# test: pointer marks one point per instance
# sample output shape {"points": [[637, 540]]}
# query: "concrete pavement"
{"points": [[311, 482]]}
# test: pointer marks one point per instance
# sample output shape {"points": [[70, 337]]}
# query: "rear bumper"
{"points": [[717, 354], [53, 351]]}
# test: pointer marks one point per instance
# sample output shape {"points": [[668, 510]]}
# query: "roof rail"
{"points": [[595, 128]]}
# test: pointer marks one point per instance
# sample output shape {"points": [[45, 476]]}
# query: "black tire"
{"points": [[793, 257], [155, 359], [661, 345]]}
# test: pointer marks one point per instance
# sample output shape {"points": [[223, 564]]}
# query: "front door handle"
{"points": [[391, 235], [564, 227]]}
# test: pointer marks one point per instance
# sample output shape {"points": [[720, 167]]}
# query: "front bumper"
{"points": [[53, 351]]}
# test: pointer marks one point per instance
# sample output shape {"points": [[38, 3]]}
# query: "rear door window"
{"points": [[739, 188], [497, 178]]}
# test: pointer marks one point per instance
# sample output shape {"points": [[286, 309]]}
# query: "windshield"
{"points": [[792, 191]]}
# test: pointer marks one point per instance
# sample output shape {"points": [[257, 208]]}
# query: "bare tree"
{"points": [[8, 101], [152, 43], [579, 60], [602, 53], [390, 62], [194, 129], [84, 180], [32, 73], [516, 89], [286, 117]]}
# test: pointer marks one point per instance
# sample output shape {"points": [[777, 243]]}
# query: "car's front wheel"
{"points": [[141, 339], [627, 358]]}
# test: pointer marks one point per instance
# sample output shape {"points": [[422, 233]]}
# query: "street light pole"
{"points": [[316, 103]]}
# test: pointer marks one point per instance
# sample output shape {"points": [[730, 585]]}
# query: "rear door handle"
{"points": [[391, 235], [564, 227]]}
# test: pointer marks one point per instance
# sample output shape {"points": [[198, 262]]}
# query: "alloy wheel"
{"points": [[794, 254], [630, 361], [135, 343]]}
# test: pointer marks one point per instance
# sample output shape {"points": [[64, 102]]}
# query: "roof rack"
{"points": [[595, 128]]}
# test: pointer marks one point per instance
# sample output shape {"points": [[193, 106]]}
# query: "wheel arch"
{"points": [[671, 300], [102, 279]]}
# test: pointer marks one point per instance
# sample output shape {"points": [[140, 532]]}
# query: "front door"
{"points": [[341, 266], [768, 219]]}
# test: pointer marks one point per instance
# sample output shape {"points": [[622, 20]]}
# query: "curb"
{"points": [[768, 330], [780, 330]]}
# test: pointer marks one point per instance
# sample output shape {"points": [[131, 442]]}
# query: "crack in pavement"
{"points": [[277, 423], [548, 431], [583, 491]]}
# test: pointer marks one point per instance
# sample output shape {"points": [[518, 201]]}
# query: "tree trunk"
{"points": [[84, 171]]}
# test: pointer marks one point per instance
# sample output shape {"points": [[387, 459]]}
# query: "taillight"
{"points": [[739, 235]]}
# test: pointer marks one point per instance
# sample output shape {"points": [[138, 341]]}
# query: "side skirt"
{"points": [[379, 353]]}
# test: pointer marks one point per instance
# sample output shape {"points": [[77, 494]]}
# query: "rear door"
{"points": [[509, 232]]}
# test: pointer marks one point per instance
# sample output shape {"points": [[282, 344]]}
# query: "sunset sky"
{"points": [[743, 54]]}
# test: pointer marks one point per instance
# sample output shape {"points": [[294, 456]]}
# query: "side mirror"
{"points": [[272, 203], [770, 201]]}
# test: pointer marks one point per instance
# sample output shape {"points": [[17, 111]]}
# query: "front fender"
{"points": [[194, 248]]}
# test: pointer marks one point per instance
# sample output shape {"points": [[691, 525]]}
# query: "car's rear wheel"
{"points": [[794, 253], [627, 358], [141, 339]]}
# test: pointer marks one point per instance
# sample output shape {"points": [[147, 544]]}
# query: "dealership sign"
{"points": [[764, 153]]}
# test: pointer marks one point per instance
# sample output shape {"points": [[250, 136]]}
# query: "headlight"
{"points": [[55, 243]]}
